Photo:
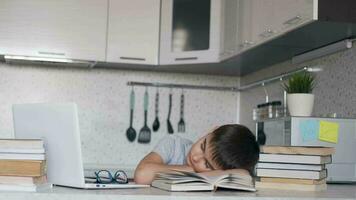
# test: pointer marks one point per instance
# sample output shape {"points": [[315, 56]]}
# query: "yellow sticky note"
{"points": [[329, 131]]}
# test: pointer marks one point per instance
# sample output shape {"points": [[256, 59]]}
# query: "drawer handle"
{"points": [[51, 53], [267, 33], [132, 58], [294, 20], [187, 58]]}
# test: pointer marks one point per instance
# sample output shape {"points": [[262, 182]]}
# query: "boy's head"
{"points": [[227, 147]]}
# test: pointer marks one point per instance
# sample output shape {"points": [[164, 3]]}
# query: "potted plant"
{"points": [[300, 99]]}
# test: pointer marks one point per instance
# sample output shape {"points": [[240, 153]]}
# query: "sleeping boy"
{"points": [[229, 148]]}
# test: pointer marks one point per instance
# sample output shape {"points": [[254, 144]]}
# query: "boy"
{"points": [[229, 148]]}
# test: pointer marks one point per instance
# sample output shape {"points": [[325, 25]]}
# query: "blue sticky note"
{"points": [[309, 130]]}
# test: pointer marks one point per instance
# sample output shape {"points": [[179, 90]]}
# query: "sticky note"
{"points": [[329, 131], [309, 130]]}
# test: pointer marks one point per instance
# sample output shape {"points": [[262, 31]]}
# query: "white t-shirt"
{"points": [[173, 149]]}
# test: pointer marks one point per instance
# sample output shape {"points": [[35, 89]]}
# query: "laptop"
{"points": [[57, 124]]}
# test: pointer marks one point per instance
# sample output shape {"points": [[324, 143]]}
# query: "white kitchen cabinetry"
{"points": [[230, 29], [245, 39], [263, 20], [291, 14], [133, 31], [190, 31], [73, 29]]}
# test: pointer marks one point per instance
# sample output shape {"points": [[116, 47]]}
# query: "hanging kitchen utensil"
{"points": [[169, 125], [131, 132], [145, 132], [181, 123], [156, 124]]}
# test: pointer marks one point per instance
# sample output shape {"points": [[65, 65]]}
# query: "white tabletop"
{"points": [[334, 192]]}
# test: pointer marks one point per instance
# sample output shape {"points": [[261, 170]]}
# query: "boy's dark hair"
{"points": [[234, 146]]}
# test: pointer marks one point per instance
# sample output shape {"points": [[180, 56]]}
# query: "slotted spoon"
{"points": [[145, 132], [156, 124], [181, 123]]}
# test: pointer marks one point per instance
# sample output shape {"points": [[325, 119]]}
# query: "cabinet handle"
{"points": [[294, 20], [51, 53], [187, 58], [267, 33], [132, 58], [247, 43]]}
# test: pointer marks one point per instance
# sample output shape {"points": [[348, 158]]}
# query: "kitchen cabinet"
{"points": [[190, 31], [133, 31], [262, 20], [74, 29], [291, 14], [230, 29], [245, 39]]}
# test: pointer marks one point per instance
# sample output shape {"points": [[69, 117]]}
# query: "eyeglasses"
{"points": [[105, 176]]}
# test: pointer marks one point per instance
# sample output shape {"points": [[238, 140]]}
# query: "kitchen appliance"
{"points": [[292, 131]]}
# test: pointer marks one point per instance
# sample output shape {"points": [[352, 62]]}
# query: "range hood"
{"points": [[48, 61]]}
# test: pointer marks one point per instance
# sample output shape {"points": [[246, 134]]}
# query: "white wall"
{"points": [[103, 99]]}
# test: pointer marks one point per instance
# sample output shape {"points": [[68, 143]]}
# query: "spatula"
{"points": [[145, 132]]}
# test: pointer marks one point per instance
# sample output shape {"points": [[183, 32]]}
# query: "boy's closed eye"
{"points": [[203, 148]]}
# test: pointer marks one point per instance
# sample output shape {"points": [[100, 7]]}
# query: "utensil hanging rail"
{"points": [[230, 89], [183, 86]]}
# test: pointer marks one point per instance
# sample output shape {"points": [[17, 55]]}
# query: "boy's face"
{"points": [[200, 156]]}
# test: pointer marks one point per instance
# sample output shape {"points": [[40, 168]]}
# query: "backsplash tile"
{"points": [[103, 100], [334, 91]]}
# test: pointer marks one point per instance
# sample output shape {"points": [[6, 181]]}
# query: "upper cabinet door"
{"points": [[190, 31], [133, 32], [293, 13], [48, 28], [263, 20], [230, 29]]}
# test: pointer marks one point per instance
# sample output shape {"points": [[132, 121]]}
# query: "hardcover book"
{"points": [[295, 159]]}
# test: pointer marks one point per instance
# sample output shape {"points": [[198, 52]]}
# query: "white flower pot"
{"points": [[300, 104]]}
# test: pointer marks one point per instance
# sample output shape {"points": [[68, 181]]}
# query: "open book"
{"points": [[190, 181]]}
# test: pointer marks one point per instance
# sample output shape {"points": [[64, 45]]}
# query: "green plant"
{"points": [[300, 83]]}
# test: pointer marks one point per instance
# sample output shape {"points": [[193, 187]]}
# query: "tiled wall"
{"points": [[103, 100], [334, 91]]}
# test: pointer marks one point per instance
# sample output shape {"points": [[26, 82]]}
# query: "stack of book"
{"points": [[22, 165], [293, 168]]}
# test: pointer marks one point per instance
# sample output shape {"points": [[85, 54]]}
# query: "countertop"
{"points": [[344, 192]]}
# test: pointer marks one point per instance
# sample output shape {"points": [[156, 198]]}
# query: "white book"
{"points": [[22, 150], [190, 181], [21, 143], [22, 180], [301, 174], [298, 159], [30, 188], [261, 165], [22, 156], [290, 186]]}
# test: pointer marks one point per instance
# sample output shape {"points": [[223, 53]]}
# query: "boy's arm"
{"points": [[150, 165]]}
